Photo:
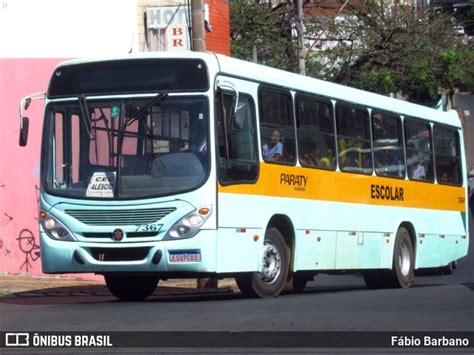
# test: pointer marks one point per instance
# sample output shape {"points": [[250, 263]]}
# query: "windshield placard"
{"points": [[102, 184]]}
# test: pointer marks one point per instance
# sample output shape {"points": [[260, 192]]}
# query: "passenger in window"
{"points": [[388, 164], [418, 171], [328, 159], [366, 163], [273, 151], [325, 162], [444, 178], [310, 156]]}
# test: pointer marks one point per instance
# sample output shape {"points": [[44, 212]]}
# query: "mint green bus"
{"points": [[167, 165]]}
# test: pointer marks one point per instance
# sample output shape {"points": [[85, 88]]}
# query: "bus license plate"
{"points": [[185, 257]]}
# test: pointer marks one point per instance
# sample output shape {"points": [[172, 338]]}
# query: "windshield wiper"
{"points": [[158, 99], [127, 121], [85, 114]]}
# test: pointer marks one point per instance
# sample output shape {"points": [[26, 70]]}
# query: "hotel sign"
{"points": [[165, 16]]}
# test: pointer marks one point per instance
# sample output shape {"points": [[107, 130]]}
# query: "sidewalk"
{"points": [[37, 286]]}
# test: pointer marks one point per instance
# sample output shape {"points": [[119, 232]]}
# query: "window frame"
{"points": [[320, 99], [369, 125], [456, 132], [402, 146], [429, 124], [286, 92], [256, 140]]}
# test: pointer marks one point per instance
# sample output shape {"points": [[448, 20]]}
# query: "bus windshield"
{"points": [[125, 148]]}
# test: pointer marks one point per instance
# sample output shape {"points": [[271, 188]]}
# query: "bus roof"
{"points": [[294, 81], [260, 73]]}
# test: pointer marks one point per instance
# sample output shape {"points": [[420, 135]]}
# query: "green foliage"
{"points": [[379, 46], [266, 28], [418, 80]]}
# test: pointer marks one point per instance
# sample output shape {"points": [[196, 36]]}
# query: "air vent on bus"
{"points": [[120, 254], [129, 235], [120, 217]]}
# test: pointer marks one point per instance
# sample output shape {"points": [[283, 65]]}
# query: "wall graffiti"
{"points": [[5, 218], [4, 250], [23, 255], [28, 246]]}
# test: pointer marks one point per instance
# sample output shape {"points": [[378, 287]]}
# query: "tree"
{"points": [[387, 47], [379, 46], [267, 29]]}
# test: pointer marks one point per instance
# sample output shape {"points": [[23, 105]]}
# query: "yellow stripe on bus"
{"points": [[306, 183]]}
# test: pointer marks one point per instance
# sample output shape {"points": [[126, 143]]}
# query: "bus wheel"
{"points": [[269, 282], [129, 287], [403, 270]]}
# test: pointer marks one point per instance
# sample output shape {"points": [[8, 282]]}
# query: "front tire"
{"points": [[270, 281], [130, 287]]}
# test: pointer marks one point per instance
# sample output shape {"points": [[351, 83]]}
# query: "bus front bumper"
{"points": [[191, 255]]}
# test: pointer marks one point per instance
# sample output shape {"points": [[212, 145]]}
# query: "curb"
{"points": [[103, 292]]}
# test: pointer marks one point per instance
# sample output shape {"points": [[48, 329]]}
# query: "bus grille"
{"points": [[120, 254], [111, 235], [120, 217]]}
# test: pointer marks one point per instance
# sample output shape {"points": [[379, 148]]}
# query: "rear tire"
{"points": [[402, 274], [129, 287], [270, 281], [403, 269]]}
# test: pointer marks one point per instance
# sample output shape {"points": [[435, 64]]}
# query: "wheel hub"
{"points": [[271, 263], [404, 259]]}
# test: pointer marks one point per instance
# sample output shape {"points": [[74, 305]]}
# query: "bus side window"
{"points": [[418, 150], [237, 141], [447, 155], [388, 145], [276, 126], [315, 132], [355, 153]]}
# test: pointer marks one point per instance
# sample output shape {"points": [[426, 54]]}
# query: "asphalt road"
{"points": [[330, 303]]}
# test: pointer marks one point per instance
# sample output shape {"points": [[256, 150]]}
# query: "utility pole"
{"points": [[199, 45], [197, 28], [300, 30]]}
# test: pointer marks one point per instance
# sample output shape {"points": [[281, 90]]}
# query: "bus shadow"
{"points": [[100, 294]]}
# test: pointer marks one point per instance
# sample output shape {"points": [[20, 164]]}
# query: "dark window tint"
{"points": [[127, 76], [316, 144], [276, 127], [353, 137], [388, 145], [237, 143], [447, 155], [418, 149]]}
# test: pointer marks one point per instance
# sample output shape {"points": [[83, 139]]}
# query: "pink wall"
{"points": [[19, 166]]}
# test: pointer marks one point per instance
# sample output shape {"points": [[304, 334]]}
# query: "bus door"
{"points": [[237, 169]]}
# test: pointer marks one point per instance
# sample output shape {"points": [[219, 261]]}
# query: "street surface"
{"points": [[329, 303]]}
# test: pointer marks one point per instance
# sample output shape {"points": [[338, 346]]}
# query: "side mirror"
{"points": [[24, 121], [24, 124]]}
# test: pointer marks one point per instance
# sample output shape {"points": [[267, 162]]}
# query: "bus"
{"points": [[194, 165]]}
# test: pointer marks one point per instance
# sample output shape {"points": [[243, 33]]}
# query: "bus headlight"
{"points": [[55, 229], [188, 226]]}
